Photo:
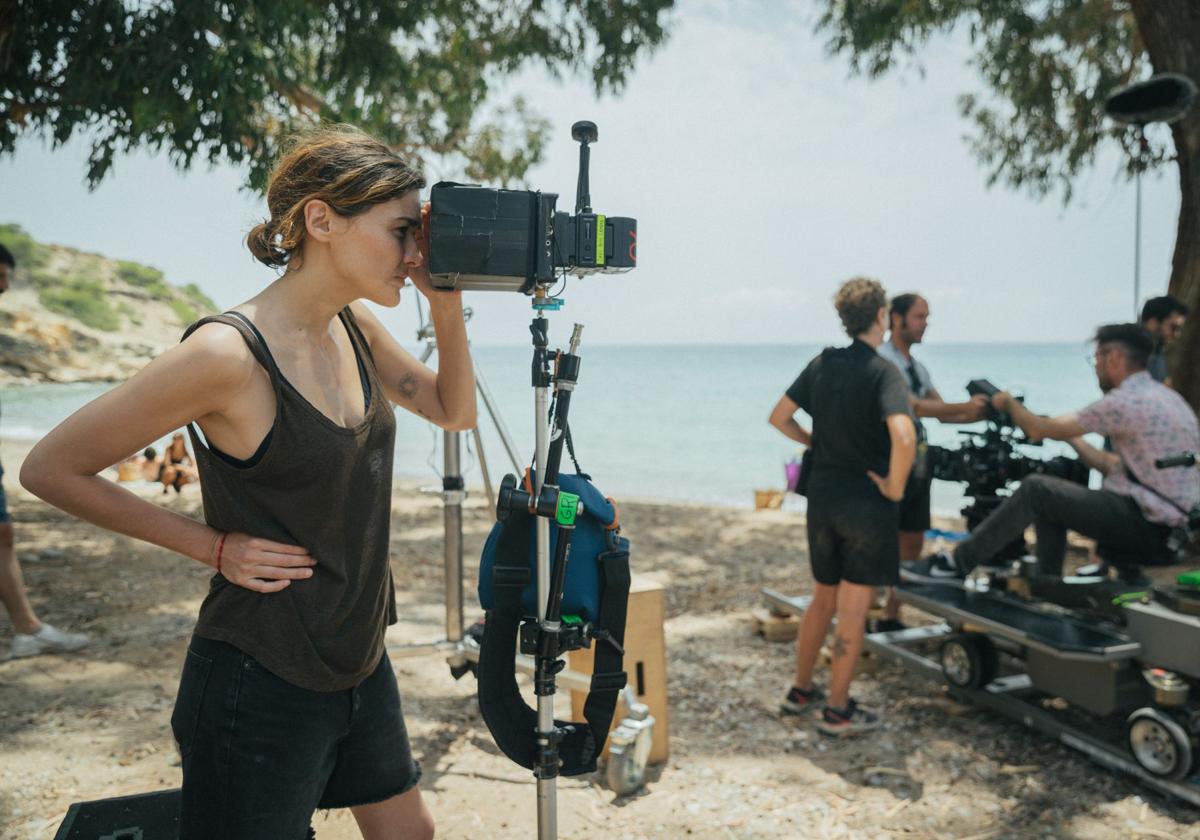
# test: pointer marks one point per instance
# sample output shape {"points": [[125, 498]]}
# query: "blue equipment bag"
{"points": [[591, 538], [596, 589]]}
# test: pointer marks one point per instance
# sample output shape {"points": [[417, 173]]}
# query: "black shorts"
{"points": [[260, 754], [854, 540], [914, 507]]}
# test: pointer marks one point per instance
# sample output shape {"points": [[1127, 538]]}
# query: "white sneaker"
{"points": [[49, 639]]}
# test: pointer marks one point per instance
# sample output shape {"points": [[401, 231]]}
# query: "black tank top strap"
{"points": [[362, 349], [250, 334], [356, 334]]}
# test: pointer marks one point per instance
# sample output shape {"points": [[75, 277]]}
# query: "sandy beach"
{"points": [[95, 724]]}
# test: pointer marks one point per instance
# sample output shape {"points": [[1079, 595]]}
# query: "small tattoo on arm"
{"points": [[839, 646], [407, 386]]}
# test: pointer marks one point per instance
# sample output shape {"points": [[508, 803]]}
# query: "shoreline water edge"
{"points": [[699, 437]]}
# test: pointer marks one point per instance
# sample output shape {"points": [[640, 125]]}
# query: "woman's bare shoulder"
{"points": [[220, 350]]}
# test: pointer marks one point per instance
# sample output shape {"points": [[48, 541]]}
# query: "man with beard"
{"points": [[909, 318], [1163, 318], [1137, 505]]}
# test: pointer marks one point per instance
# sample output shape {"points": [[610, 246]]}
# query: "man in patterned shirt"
{"points": [[1137, 505]]}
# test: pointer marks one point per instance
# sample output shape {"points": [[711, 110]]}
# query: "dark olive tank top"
{"points": [[318, 485]]}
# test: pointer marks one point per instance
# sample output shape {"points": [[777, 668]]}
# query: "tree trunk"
{"points": [[1171, 32]]}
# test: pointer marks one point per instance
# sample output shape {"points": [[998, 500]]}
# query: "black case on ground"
{"points": [[143, 816]]}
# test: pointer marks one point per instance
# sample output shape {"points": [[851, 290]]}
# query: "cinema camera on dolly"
{"points": [[990, 461]]}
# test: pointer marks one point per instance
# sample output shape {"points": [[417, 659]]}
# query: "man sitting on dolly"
{"points": [[1137, 505]]}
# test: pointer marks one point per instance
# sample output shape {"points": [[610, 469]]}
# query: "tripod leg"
{"points": [[452, 499], [483, 468], [497, 421]]}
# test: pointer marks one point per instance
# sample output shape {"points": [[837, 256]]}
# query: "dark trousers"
{"points": [[1053, 506]]}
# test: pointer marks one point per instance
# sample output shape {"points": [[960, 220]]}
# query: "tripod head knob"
{"points": [[585, 131]]}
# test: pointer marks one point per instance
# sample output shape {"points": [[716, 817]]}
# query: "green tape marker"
{"points": [[599, 240], [1191, 578], [568, 509], [1129, 598]]}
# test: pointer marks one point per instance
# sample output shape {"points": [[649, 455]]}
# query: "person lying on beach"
{"points": [[176, 468], [287, 701], [149, 464], [143, 467]]}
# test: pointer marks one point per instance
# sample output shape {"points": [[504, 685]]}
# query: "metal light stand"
{"points": [[1139, 166], [548, 502]]}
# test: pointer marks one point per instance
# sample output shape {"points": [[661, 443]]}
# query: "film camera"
{"points": [[515, 240], [991, 460]]}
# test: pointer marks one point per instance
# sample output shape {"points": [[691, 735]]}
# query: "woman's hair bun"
{"points": [[261, 242]]}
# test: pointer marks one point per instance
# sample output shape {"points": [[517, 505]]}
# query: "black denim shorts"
{"points": [[914, 507], [260, 754], [854, 539]]}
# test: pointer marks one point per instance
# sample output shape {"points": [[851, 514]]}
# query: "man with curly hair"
{"points": [[863, 443]]}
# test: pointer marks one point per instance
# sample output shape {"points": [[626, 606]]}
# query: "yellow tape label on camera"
{"points": [[599, 240]]}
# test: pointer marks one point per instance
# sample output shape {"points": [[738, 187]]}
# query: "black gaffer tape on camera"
{"points": [[483, 238]]}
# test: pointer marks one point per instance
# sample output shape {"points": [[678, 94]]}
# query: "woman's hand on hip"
{"points": [[263, 565]]}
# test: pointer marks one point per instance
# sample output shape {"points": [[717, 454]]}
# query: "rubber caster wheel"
{"points": [[969, 660], [628, 753], [1159, 744]]}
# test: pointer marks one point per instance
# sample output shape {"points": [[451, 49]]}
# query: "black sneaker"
{"points": [[888, 625], [801, 702], [940, 568], [848, 721]]}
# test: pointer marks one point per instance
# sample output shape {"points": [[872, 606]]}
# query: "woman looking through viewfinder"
{"points": [[287, 702]]}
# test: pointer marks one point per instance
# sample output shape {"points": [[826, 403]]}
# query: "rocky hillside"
{"points": [[70, 316]]}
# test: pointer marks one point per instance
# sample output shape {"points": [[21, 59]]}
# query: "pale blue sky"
{"points": [[761, 174]]}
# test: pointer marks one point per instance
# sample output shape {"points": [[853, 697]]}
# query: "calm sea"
{"points": [[685, 423]]}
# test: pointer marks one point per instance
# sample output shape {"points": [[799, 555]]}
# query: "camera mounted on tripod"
{"points": [[516, 241]]}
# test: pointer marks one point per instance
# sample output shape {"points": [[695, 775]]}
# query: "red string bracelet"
{"points": [[220, 548]]}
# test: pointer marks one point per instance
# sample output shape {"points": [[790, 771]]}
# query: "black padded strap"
{"points": [[608, 678], [614, 681]]}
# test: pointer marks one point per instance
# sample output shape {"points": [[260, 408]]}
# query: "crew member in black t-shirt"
{"points": [[863, 442]]}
